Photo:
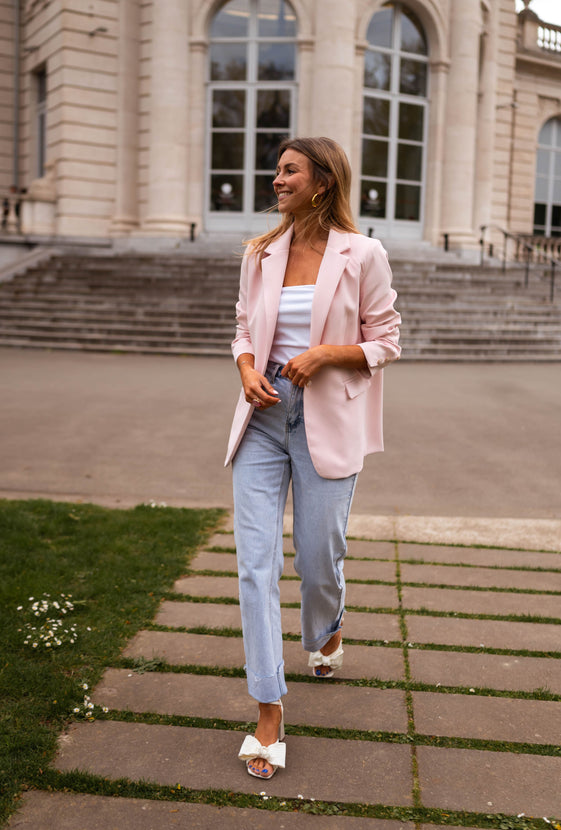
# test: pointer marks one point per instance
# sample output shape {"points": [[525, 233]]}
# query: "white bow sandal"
{"points": [[274, 754], [333, 661]]}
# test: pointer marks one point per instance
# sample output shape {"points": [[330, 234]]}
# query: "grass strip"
{"points": [[337, 733], [141, 665], [117, 565], [295, 638], [84, 783]]}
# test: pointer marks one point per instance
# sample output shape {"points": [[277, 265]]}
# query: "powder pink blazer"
{"points": [[353, 304]]}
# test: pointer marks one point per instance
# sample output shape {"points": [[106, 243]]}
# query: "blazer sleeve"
{"points": [[379, 319], [241, 343]]}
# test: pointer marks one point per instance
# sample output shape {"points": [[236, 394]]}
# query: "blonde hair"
{"points": [[330, 168]]}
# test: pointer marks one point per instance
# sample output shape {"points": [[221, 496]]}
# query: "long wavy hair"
{"points": [[330, 168]]}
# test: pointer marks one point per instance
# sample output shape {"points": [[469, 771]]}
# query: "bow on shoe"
{"points": [[333, 660], [275, 753]]}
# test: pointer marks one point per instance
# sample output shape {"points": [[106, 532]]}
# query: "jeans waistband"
{"points": [[274, 369]]}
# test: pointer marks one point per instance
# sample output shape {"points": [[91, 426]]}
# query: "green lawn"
{"points": [[116, 565]]}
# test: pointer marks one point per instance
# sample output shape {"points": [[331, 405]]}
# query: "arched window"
{"points": [[394, 121], [547, 201], [251, 106]]}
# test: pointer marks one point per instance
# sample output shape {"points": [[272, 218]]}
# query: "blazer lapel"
{"points": [[332, 266], [273, 267]]}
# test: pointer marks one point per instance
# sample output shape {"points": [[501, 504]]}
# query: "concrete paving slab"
{"points": [[67, 811], [362, 549], [355, 547], [489, 782], [207, 614], [484, 633], [207, 561], [350, 771], [221, 540], [358, 625], [372, 569], [365, 596], [491, 671], [487, 718], [481, 577], [524, 534], [200, 696], [495, 603], [227, 652], [480, 556]]}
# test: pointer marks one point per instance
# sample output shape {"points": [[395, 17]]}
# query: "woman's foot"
{"points": [[267, 733], [330, 647]]}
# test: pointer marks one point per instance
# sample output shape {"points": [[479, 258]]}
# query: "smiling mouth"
{"points": [[282, 194]]}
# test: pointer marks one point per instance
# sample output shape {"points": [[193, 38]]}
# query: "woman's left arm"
{"points": [[379, 323]]}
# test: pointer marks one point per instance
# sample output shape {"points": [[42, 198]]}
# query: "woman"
{"points": [[315, 325]]}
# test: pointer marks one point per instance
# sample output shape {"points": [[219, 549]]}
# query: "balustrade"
{"points": [[549, 37]]}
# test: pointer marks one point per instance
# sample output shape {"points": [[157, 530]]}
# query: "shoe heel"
{"points": [[281, 725]]}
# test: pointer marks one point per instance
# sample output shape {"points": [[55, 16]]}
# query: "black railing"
{"points": [[528, 250]]}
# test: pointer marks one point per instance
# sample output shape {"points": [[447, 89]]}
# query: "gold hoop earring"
{"points": [[314, 197]]}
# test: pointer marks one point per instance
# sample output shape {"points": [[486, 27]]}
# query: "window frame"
{"points": [[389, 225], [247, 218]]}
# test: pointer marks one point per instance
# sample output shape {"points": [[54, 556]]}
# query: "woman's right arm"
{"points": [[257, 389]]}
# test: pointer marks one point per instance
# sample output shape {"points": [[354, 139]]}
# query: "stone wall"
{"points": [[77, 43]]}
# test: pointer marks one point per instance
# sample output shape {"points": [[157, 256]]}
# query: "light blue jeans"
{"points": [[274, 451]]}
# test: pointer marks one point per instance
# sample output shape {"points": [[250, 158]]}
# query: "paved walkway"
{"points": [[448, 704], [440, 704]]}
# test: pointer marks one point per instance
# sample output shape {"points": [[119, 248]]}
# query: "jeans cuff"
{"points": [[266, 689]]}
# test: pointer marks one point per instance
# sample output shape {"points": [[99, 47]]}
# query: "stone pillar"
{"points": [[486, 118], [126, 195], [334, 71], [168, 179], [436, 135], [458, 179]]}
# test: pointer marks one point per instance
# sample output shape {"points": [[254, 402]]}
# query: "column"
{"points": [[435, 148], [168, 179], [334, 71], [486, 119], [458, 177], [126, 195]]}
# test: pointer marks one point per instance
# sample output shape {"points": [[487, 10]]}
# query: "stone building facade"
{"points": [[155, 118]]}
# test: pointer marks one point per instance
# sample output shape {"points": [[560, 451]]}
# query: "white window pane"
{"points": [[232, 20], [276, 19], [228, 62], [412, 35], [546, 133], [542, 162], [542, 189], [380, 29]]}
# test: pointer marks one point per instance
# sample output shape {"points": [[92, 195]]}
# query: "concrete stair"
{"points": [[175, 303]]}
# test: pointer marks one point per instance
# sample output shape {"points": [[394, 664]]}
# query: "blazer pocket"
{"points": [[356, 385]]}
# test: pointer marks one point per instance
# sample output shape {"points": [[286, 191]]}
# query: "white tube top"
{"points": [[292, 334]]}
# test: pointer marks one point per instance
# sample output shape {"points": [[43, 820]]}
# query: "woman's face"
{"points": [[294, 184]]}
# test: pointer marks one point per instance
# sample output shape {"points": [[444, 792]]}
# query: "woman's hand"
{"points": [[257, 389], [302, 368]]}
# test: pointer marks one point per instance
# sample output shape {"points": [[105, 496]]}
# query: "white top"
{"points": [[292, 334]]}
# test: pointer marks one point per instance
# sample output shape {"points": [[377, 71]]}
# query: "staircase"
{"points": [[181, 304]]}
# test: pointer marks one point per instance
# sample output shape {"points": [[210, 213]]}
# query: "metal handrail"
{"points": [[528, 250]]}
